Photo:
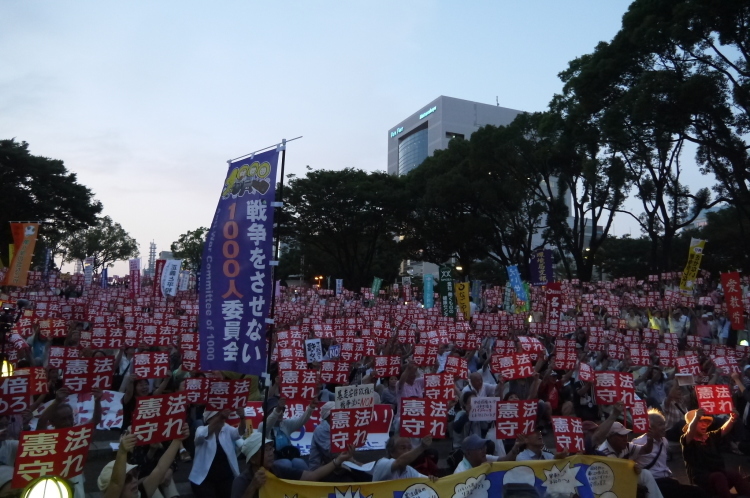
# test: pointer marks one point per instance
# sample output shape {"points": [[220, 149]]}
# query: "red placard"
{"points": [[612, 387], [639, 413], [196, 389], [300, 384], [533, 347], [159, 418], [423, 417], [58, 355], [15, 394], [714, 399], [54, 328], [516, 418], [349, 427], [568, 434], [585, 372], [56, 452], [689, 364], [439, 387], [640, 356], [81, 375], [37, 379], [154, 365], [566, 355], [388, 365], [425, 355], [457, 366], [334, 372], [727, 365], [190, 351], [513, 366], [730, 283], [227, 394]]}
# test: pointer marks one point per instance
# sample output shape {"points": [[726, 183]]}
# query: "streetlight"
{"points": [[459, 268], [319, 281], [7, 369], [48, 487]]}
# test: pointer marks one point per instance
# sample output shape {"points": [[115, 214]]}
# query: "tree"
{"points": [[107, 242], [351, 218], [625, 257], [189, 248], [36, 188]]}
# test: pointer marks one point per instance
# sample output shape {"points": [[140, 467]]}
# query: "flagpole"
{"points": [[272, 312]]}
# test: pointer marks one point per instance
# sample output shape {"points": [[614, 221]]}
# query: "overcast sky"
{"points": [[146, 100]]}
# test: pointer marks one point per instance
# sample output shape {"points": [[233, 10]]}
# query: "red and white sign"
{"points": [[227, 394], [300, 384], [515, 418], [423, 417], [387, 366], [714, 399], [568, 434], [566, 355], [640, 416], [585, 373], [334, 372], [53, 328], [425, 355], [457, 367], [511, 367], [153, 365], [84, 374], [689, 364], [349, 427], [56, 452], [727, 365], [439, 387], [58, 355], [612, 387], [730, 283], [159, 418]]}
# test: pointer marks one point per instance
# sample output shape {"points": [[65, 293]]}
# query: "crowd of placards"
{"points": [[583, 365]]}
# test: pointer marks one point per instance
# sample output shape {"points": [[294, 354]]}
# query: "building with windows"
{"points": [[431, 128]]}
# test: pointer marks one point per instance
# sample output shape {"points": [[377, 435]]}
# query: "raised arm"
{"points": [[692, 427], [117, 481], [603, 431], [155, 478]]}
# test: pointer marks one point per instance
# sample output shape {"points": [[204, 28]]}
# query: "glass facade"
{"points": [[412, 150]]}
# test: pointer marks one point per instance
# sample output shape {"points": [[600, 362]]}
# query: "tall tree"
{"points": [[189, 248], [350, 217], [107, 242], [37, 188]]}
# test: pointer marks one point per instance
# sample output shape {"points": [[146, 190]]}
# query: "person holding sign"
{"points": [[400, 455], [703, 460]]}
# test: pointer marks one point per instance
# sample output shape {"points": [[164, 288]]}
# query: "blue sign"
{"points": [[236, 280], [516, 283], [104, 278], [428, 112], [429, 291], [542, 271]]}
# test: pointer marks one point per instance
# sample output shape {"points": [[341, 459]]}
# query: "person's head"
{"points": [[657, 422], [142, 387], [618, 437], [392, 382], [397, 446], [129, 352], [677, 313], [99, 354], [534, 441], [511, 396], [63, 416], [251, 449], [703, 424], [656, 374], [466, 400], [476, 381], [129, 489], [325, 410], [475, 450]]}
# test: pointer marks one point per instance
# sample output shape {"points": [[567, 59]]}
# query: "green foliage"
{"points": [[107, 242], [36, 188], [349, 219], [189, 248]]}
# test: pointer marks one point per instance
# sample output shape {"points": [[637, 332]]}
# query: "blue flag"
{"points": [[516, 283]]}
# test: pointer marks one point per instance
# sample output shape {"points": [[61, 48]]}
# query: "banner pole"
{"points": [[272, 312]]}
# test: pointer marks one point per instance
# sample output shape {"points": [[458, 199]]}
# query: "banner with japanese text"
{"points": [[236, 274], [135, 277], [462, 298], [445, 289], [689, 274], [428, 298], [170, 277], [158, 271], [541, 267], [573, 476], [24, 235], [514, 277], [730, 283]]}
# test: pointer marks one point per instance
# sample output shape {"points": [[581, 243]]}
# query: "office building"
{"points": [[431, 128]]}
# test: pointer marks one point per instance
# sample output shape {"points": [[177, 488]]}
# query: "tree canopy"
{"points": [[107, 242], [189, 248]]}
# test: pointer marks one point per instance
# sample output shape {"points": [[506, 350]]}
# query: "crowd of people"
{"points": [[228, 457]]}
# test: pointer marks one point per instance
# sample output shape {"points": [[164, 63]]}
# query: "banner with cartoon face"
{"points": [[582, 476]]}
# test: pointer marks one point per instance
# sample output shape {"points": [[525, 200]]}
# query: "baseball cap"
{"points": [[473, 442], [619, 429]]}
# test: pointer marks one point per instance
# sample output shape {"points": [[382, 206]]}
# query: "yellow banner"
{"points": [[18, 271], [462, 298], [583, 476], [690, 273]]}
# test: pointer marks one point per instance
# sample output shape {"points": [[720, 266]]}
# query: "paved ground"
{"points": [[101, 453]]}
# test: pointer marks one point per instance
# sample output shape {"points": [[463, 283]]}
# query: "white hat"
{"points": [[251, 445], [207, 414], [325, 410], [106, 474]]}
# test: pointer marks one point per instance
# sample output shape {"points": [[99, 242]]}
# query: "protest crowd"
{"points": [[625, 370]]}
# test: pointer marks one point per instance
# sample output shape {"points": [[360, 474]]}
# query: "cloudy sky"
{"points": [[146, 100]]}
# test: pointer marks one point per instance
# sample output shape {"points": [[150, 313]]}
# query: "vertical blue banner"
{"points": [[428, 297], [236, 280], [541, 267], [515, 281], [104, 278]]}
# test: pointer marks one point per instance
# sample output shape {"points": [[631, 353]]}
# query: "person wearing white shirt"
{"points": [[535, 448], [656, 461], [400, 455], [617, 446], [215, 465], [478, 386]]}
